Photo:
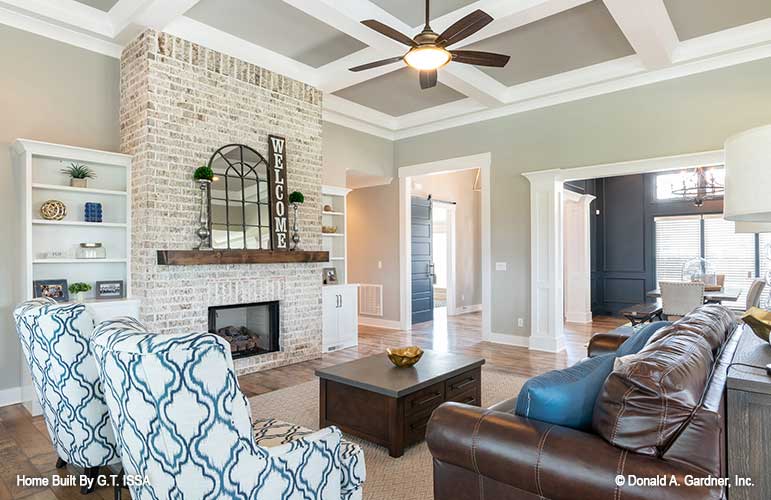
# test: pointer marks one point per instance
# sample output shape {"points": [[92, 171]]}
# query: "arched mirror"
{"points": [[239, 205]]}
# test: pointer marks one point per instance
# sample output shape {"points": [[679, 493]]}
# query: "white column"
{"points": [[577, 255], [546, 295]]}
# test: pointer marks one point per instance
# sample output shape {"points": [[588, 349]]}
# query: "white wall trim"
{"points": [[481, 161], [466, 309], [379, 322], [506, 339], [578, 317], [10, 396]]}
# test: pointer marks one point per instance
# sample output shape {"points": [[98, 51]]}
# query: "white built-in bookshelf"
{"points": [[49, 248], [335, 243]]}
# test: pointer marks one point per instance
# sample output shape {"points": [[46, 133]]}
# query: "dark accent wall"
{"points": [[623, 237]]}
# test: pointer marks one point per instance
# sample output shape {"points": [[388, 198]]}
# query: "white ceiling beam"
{"points": [[128, 17], [733, 39], [69, 12], [352, 109], [212, 38], [507, 15], [335, 75], [648, 28], [473, 83]]}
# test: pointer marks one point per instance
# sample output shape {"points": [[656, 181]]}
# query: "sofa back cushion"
{"points": [[713, 322], [648, 399], [565, 397]]}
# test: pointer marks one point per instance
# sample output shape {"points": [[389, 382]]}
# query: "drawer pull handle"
{"points": [[468, 400], [464, 383], [419, 425], [427, 399]]}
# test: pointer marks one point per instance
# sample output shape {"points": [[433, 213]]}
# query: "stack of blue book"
{"points": [[93, 212]]}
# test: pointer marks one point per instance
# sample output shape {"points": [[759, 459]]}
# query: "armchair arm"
{"points": [[547, 460], [313, 463], [604, 343]]}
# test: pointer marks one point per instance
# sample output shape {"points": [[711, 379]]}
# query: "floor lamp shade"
{"points": [[748, 176]]}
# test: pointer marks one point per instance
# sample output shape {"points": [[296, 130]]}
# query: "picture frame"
{"points": [[330, 275], [54, 289], [112, 289]]}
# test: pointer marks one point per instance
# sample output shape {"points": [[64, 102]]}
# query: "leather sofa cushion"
{"points": [[645, 402], [640, 338], [713, 322], [565, 397]]}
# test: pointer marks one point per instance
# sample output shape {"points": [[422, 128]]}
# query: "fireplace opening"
{"points": [[251, 329]]}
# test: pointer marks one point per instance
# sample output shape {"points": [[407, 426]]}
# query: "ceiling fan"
{"points": [[428, 50]]}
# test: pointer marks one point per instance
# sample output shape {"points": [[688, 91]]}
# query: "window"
{"points": [[678, 240], [681, 238], [732, 254], [666, 182]]}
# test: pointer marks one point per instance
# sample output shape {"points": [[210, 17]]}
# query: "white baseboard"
{"points": [[547, 344], [379, 322], [503, 338], [467, 309], [579, 317], [10, 396]]}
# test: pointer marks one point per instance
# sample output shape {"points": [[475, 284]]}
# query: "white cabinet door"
{"points": [[329, 317], [348, 319]]}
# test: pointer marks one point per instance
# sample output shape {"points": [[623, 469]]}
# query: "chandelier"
{"points": [[699, 187]]}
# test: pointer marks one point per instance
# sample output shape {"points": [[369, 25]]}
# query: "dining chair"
{"points": [[184, 426], [678, 298], [755, 292], [54, 339]]}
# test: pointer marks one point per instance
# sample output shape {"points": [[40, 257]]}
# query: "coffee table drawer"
{"points": [[425, 399], [462, 383], [467, 398]]}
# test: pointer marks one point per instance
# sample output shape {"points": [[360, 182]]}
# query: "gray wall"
{"points": [[52, 92], [695, 113], [347, 149]]}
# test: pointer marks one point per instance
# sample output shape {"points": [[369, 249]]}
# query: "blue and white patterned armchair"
{"points": [[55, 341], [184, 427]]}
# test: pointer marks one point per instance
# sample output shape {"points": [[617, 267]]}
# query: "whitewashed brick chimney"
{"points": [[179, 103]]}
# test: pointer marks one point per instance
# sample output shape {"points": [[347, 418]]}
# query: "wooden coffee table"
{"points": [[374, 400]]}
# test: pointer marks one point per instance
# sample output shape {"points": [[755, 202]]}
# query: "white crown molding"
{"points": [[331, 116], [733, 39], [354, 110], [441, 112], [202, 34], [61, 34], [68, 12]]}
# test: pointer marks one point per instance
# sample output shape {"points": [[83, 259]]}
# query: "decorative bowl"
{"points": [[405, 356], [759, 320], [329, 229]]}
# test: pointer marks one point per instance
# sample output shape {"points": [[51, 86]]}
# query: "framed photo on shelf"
{"points": [[109, 289], [330, 276], [54, 289]]}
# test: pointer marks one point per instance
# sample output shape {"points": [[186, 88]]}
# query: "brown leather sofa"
{"points": [[676, 384]]}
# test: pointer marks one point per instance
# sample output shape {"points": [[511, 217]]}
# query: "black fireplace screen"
{"points": [[251, 329]]}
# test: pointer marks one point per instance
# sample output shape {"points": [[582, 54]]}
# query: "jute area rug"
{"points": [[409, 477]]}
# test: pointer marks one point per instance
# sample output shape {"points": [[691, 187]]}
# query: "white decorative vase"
{"points": [[80, 297]]}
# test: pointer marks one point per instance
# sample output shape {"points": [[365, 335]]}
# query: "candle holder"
{"points": [[203, 232]]}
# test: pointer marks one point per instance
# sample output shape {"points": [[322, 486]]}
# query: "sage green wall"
{"points": [[348, 149], [52, 92], [690, 114]]}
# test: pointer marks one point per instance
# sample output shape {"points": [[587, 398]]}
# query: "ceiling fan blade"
{"points": [[389, 32], [465, 27], [376, 64], [479, 58], [427, 78]]}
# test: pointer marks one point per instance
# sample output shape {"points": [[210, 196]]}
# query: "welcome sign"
{"points": [[277, 182]]}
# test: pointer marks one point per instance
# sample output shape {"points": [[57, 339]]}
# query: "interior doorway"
{"points": [[443, 222]]}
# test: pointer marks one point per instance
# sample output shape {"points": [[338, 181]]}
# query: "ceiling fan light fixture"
{"points": [[427, 58]]}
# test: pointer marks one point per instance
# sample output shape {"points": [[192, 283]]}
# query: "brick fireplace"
{"points": [[179, 103]]}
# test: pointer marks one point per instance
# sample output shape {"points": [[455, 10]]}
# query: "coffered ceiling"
{"points": [[560, 50]]}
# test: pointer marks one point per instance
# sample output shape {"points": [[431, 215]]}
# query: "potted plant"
{"points": [[296, 198], [79, 289], [79, 174], [203, 173]]}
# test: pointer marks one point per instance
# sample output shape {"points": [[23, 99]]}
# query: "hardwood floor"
{"points": [[25, 448]]}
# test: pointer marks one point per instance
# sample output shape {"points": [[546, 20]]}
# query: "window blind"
{"points": [[731, 254], [765, 267], [678, 240]]}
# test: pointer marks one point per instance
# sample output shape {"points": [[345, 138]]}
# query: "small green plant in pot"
{"points": [[79, 174], [203, 173], [79, 289]]}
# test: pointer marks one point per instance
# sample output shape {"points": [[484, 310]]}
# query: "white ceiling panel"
{"points": [[692, 18], [104, 5], [412, 12]]}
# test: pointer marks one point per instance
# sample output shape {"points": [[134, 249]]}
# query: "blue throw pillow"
{"points": [[566, 397], [637, 341]]}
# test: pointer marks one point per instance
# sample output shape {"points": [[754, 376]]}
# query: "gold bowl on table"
{"points": [[759, 320], [405, 356]]}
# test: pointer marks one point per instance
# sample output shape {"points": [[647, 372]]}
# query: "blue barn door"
{"points": [[422, 261]]}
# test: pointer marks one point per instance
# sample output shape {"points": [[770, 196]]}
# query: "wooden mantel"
{"points": [[204, 257]]}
